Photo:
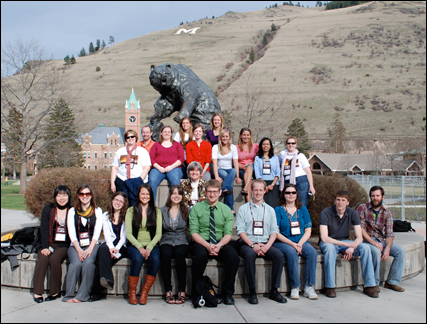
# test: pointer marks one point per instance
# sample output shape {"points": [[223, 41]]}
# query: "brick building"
{"points": [[100, 144]]}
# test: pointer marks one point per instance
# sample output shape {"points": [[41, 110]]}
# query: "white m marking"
{"points": [[190, 31]]}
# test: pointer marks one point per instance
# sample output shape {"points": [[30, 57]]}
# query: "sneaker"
{"points": [[295, 293], [310, 293]]}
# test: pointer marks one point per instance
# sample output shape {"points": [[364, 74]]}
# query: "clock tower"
{"points": [[132, 115]]}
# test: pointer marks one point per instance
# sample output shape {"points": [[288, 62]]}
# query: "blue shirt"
{"points": [[285, 226], [274, 171], [244, 221]]}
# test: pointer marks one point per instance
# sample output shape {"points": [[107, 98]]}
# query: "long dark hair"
{"points": [[62, 189], [282, 199], [182, 206], [261, 151], [110, 208], [151, 212], [77, 203]]}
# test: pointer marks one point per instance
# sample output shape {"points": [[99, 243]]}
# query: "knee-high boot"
{"points": [[133, 282], [149, 281]]}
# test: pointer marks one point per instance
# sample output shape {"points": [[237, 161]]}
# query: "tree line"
{"points": [[91, 50]]}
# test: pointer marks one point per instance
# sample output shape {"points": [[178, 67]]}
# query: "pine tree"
{"points": [[73, 59], [336, 132], [98, 45], [265, 40], [67, 60], [273, 27], [103, 44], [63, 150], [296, 128], [91, 48], [252, 56], [82, 52]]}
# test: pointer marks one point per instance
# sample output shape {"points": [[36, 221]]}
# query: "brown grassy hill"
{"points": [[367, 62]]}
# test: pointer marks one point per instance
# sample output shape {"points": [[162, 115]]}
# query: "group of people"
{"points": [[274, 223]]}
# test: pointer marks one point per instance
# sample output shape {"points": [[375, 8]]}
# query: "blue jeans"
{"points": [[228, 176], [396, 269], [137, 260], [330, 252], [309, 253], [303, 188], [156, 177]]}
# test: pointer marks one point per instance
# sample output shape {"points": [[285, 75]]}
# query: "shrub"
{"points": [[98, 69], [326, 187], [40, 190]]}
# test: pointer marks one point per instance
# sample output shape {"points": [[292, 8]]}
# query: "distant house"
{"points": [[100, 144], [323, 163]]}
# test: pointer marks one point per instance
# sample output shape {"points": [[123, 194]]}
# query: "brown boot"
{"points": [[149, 281], [133, 282]]}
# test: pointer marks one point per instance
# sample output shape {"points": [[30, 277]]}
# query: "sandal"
{"points": [[170, 299], [181, 298], [244, 193]]}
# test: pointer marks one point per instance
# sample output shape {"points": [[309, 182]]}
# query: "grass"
{"points": [[414, 214], [10, 197]]}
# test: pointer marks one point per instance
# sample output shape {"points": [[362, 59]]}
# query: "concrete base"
{"points": [[348, 274]]}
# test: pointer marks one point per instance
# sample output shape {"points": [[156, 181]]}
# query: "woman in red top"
{"points": [[167, 157], [247, 151], [200, 151]]}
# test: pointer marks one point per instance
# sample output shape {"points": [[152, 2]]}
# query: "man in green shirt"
{"points": [[211, 227]]}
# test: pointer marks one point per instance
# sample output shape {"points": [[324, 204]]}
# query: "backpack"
{"points": [[402, 226], [27, 237], [205, 293]]}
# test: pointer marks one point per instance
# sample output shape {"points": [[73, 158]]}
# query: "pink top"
{"points": [[165, 156], [245, 157]]}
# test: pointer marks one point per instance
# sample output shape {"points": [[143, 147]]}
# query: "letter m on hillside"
{"points": [[190, 31]]}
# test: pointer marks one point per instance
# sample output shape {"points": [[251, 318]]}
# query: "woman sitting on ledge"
{"points": [[54, 244], [194, 187]]}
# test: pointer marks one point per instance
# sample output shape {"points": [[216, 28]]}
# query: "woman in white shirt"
{"points": [[184, 136], [114, 247], [84, 223], [295, 169], [226, 166]]}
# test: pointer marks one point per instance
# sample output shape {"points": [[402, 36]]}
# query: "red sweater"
{"points": [[165, 156], [202, 154]]}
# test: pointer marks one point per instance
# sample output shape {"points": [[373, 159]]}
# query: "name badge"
{"points": [[84, 239], [258, 228], [60, 235], [295, 228], [266, 168]]}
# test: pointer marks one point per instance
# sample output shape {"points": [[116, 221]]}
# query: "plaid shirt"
{"points": [[379, 227]]}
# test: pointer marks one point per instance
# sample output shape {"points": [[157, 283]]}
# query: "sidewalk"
{"points": [[349, 306], [15, 219]]}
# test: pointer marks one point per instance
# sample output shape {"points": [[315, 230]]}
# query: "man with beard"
{"points": [[377, 230]]}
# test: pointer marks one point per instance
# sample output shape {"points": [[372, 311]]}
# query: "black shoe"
{"points": [[94, 298], [276, 296], [50, 297], [38, 300], [106, 283], [229, 300], [253, 299]]}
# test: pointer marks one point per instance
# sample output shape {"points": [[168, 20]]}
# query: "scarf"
{"points": [[293, 166], [86, 214], [128, 158]]}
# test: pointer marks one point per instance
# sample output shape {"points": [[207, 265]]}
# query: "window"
{"points": [[88, 166], [111, 142], [86, 141], [95, 167], [96, 154], [85, 166], [105, 166], [111, 154], [105, 155], [88, 154], [115, 142], [84, 155]]}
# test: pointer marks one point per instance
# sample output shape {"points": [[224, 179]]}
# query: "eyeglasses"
{"points": [[130, 136], [84, 194], [212, 192], [290, 192], [119, 201], [291, 143]]}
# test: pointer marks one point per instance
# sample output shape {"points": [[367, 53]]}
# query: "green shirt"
{"points": [[144, 239], [200, 216]]}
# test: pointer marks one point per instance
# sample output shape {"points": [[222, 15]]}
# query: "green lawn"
{"points": [[10, 197]]}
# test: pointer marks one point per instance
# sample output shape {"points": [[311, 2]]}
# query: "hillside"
{"points": [[367, 62]]}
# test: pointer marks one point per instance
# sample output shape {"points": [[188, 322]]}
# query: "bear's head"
{"points": [[162, 77]]}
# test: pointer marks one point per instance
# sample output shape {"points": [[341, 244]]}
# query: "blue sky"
{"points": [[63, 28]]}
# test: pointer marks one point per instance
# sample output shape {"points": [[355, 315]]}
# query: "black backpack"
{"points": [[402, 226], [205, 293], [27, 237]]}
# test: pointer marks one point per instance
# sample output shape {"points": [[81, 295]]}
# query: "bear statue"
{"points": [[183, 91]]}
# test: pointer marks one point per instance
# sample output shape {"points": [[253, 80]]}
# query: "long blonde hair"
{"points": [[220, 146], [222, 121], [182, 134], [240, 142]]}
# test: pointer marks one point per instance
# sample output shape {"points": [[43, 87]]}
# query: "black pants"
{"points": [[227, 254], [274, 254], [104, 264], [179, 253]]}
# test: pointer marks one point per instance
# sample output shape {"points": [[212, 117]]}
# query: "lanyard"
{"points": [[288, 214], [80, 222], [253, 220]]}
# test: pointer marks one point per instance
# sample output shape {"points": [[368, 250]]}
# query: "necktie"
{"points": [[212, 233]]}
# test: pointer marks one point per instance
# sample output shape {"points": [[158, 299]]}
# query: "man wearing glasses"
{"points": [[147, 141], [211, 227], [334, 226]]}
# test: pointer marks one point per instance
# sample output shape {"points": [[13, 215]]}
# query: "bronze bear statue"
{"points": [[183, 91]]}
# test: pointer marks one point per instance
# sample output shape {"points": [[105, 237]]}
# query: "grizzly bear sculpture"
{"points": [[183, 91]]}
